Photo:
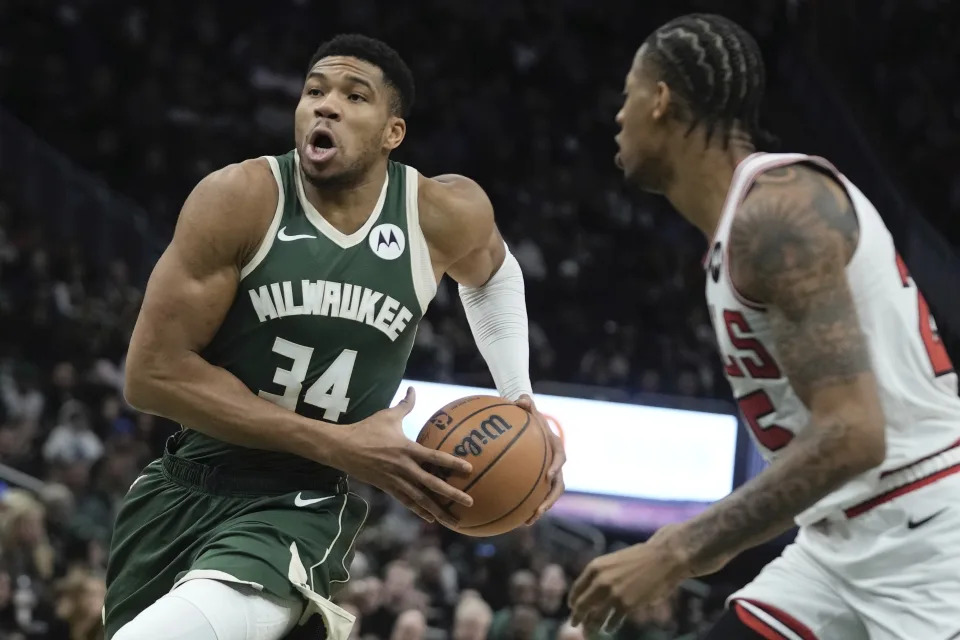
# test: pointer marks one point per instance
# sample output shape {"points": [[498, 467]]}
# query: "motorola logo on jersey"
{"points": [[716, 256], [387, 241]]}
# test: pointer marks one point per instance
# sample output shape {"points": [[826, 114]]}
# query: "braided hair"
{"points": [[716, 69]]}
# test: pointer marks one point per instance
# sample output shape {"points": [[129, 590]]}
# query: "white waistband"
{"points": [[890, 484]]}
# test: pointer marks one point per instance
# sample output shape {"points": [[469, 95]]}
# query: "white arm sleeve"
{"points": [[497, 313]]}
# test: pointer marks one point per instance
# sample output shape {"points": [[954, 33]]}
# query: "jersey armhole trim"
{"points": [[267, 242], [421, 266]]}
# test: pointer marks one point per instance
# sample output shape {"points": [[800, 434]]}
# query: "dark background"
{"points": [[111, 111]]}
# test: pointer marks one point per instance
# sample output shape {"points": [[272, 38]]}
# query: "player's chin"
{"points": [[323, 173]]}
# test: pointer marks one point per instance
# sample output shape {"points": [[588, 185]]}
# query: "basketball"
{"points": [[510, 453]]}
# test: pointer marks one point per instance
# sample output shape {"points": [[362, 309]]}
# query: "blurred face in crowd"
{"points": [[553, 586], [29, 528], [344, 123], [91, 598], [398, 582], [431, 564], [523, 588], [645, 129], [523, 623], [410, 625], [472, 620]]}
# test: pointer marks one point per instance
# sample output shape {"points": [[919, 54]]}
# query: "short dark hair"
{"points": [[716, 68], [396, 73]]}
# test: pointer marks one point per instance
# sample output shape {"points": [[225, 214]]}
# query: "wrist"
{"points": [[319, 441], [672, 544]]}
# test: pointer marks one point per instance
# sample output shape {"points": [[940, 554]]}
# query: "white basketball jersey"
{"points": [[917, 383]]}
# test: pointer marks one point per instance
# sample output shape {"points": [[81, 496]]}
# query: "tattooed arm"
{"points": [[789, 246]]}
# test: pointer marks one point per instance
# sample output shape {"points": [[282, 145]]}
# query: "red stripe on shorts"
{"points": [[785, 619], [863, 507], [755, 623]]}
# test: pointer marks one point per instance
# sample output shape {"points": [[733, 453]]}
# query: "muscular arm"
{"points": [[187, 297], [789, 247], [457, 220]]}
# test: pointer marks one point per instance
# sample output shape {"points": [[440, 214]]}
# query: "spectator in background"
{"points": [[438, 580], [410, 625], [8, 617], [21, 394], [29, 557], [72, 441], [523, 600], [23, 537], [472, 619], [524, 624], [79, 604], [552, 594], [399, 593]]}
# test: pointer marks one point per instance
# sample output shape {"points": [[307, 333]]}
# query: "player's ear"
{"points": [[394, 132], [662, 99]]}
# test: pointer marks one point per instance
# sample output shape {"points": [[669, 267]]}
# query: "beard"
{"points": [[341, 179]]}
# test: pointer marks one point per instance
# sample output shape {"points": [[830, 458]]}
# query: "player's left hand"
{"points": [[614, 585], [555, 472]]}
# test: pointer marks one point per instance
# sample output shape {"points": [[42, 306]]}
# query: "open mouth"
{"points": [[321, 146]]}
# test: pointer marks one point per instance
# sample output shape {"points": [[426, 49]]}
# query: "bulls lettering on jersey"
{"points": [[916, 380]]}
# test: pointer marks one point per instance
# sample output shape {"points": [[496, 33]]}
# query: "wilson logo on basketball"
{"points": [[490, 429]]}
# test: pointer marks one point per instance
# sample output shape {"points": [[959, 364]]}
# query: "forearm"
{"points": [[815, 464], [211, 400], [497, 314]]}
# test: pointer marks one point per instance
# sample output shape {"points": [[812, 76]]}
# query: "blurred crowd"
{"points": [[905, 59], [152, 96]]}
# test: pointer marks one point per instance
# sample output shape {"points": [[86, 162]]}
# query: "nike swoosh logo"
{"points": [[284, 237], [913, 524], [300, 502]]}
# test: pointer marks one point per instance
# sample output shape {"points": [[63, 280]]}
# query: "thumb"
{"points": [[405, 406], [525, 402]]}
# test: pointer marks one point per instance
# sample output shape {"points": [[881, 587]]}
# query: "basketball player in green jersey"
{"points": [[275, 329]]}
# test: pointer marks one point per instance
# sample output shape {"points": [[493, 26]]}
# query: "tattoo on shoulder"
{"points": [[789, 247]]}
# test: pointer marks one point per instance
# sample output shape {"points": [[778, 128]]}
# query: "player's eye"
{"points": [[314, 92], [356, 97]]}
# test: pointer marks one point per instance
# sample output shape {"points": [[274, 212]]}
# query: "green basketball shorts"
{"points": [[182, 520]]}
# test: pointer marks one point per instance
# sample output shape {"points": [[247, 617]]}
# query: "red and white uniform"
{"points": [[851, 542]]}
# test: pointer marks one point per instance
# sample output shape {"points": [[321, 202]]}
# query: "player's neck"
{"points": [[348, 207], [701, 181]]}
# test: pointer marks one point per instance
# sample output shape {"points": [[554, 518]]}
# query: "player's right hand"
{"points": [[375, 451]]}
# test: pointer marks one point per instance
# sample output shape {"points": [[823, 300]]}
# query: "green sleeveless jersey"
{"points": [[323, 322]]}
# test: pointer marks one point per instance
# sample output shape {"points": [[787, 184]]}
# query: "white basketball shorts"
{"points": [[888, 569]]}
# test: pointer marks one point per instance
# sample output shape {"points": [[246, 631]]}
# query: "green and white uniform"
{"points": [[322, 324]]}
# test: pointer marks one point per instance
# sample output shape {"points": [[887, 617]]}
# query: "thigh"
{"points": [[795, 598], [213, 610], [158, 532], [276, 544]]}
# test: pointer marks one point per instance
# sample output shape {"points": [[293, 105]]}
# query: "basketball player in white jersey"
{"points": [[832, 355]]}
